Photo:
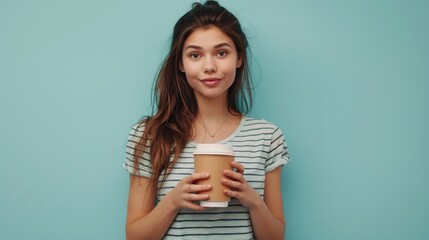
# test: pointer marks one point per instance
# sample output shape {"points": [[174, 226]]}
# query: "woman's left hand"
{"points": [[240, 189]]}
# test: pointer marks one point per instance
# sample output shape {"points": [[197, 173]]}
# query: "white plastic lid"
{"points": [[213, 204], [214, 149]]}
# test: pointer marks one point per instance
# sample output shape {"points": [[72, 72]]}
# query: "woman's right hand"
{"points": [[187, 191]]}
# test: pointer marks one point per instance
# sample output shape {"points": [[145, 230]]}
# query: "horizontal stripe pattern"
{"points": [[257, 144]]}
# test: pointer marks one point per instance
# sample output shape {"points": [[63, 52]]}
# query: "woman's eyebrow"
{"points": [[216, 46], [223, 45]]}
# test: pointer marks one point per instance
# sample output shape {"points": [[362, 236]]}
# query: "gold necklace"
{"points": [[220, 126]]}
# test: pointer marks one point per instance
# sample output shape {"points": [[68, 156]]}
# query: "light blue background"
{"points": [[347, 82]]}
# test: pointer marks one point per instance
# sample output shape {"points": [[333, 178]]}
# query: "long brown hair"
{"points": [[168, 131]]}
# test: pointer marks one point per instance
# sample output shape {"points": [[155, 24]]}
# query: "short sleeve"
{"points": [[278, 154], [144, 166]]}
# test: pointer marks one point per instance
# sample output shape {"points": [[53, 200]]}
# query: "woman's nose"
{"points": [[210, 65]]}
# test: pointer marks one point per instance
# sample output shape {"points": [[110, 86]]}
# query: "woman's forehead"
{"points": [[212, 37]]}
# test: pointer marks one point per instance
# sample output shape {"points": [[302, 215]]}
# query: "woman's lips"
{"points": [[211, 82]]}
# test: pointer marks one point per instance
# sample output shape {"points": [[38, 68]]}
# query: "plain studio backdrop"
{"points": [[347, 81]]}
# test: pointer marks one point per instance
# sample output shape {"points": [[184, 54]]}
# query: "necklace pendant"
{"points": [[220, 126]]}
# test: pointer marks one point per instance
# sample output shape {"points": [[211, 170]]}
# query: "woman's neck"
{"points": [[214, 122], [213, 109]]}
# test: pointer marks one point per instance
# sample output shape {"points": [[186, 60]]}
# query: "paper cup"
{"points": [[213, 159]]}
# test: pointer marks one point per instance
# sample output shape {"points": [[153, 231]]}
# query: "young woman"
{"points": [[202, 94]]}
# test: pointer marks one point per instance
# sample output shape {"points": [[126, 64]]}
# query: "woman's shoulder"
{"points": [[138, 128], [251, 122]]}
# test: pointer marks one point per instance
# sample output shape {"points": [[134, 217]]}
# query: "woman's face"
{"points": [[209, 61]]}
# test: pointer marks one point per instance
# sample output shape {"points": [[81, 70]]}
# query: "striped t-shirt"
{"points": [[257, 144]]}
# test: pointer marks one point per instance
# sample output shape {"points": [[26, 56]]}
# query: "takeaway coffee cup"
{"points": [[213, 159]]}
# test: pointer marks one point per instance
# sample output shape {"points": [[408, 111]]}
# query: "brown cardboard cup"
{"points": [[213, 159]]}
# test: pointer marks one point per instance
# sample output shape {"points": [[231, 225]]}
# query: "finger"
{"points": [[238, 166], [195, 177], [231, 193], [195, 197], [232, 184], [196, 188], [234, 175], [193, 206]]}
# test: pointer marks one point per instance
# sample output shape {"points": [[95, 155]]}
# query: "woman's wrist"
{"points": [[257, 204], [171, 206]]}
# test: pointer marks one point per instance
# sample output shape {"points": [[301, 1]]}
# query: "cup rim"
{"points": [[213, 149]]}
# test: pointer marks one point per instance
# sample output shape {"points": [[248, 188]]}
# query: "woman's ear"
{"points": [[239, 62], [182, 69]]}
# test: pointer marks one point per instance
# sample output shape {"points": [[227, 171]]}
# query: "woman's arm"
{"points": [[147, 221], [266, 214]]}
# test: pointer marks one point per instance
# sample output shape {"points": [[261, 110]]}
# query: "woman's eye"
{"points": [[222, 53], [194, 55]]}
